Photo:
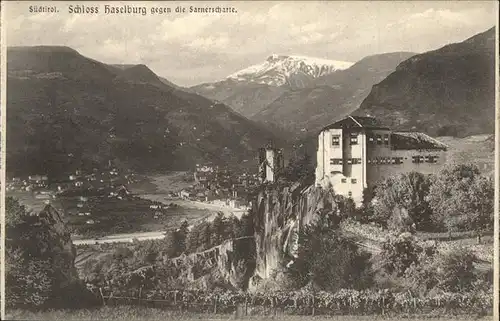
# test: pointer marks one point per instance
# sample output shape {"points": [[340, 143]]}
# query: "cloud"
{"points": [[219, 42], [186, 47]]}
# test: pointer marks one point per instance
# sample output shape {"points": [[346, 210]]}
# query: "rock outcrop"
{"points": [[228, 265], [280, 213], [40, 252]]}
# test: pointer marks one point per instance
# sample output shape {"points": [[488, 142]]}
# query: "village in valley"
{"points": [[82, 195]]}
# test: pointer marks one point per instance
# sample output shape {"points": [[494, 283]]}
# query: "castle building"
{"points": [[357, 152], [271, 163]]}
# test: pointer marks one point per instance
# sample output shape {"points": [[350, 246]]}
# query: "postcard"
{"points": [[249, 160]]}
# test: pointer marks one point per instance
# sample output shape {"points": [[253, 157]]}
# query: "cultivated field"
{"points": [[162, 184]]}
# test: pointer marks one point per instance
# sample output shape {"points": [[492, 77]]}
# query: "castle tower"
{"points": [[271, 163]]}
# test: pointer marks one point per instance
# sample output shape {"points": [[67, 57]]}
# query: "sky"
{"points": [[193, 48]]}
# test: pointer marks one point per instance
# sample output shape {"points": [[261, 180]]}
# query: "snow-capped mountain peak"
{"points": [[296, 71]]}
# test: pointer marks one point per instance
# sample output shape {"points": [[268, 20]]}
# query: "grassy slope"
{"points": [[477, 149]]}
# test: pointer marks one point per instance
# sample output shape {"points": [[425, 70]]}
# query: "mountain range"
{"points": [[332, 97], [445, 92], [253, 88], [66, 111], [272, 94], [291, 71]]}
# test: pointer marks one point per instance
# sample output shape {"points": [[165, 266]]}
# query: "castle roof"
{"points": [[356, 122], [415, 140]]}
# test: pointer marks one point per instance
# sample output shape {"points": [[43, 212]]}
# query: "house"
{"points": [[186, 194], [234, 203], [357, 152], [40, 196], [38, 180]]}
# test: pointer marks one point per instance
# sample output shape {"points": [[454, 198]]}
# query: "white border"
{"points": [[496, 234], [3, 95]]}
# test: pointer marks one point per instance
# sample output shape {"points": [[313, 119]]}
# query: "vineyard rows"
{"points": [[307, 302]]}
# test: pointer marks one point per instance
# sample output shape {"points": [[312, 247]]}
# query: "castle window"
{"points": [[356, 160], [336, 140], [343, 180], [397, 160], [335, 161], [369, 161], [354, 138], [416, 159], [386, 139], [349, 194], [349, 161], [354, 181], [431, 159], [371, 139], [379, 140]]}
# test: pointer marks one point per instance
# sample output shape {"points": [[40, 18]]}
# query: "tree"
{"points": [[245, 225], [28, 282], [462, 199], [15, 212], [205, 236], [193, 238], [300, 168], [452, 271], [40, 269], [329, 260], [181, 235], [455, 270], [345, 206], [218, 229], [172, 244], [400, 253], [404, 193]]}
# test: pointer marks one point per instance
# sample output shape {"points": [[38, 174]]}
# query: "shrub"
{"points": [[406, 192], [330, 260], [455, 270], [40, 271], [462, 199], [399, 253]]}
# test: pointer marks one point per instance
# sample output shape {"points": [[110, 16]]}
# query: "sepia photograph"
{"points": [[249, 160]]}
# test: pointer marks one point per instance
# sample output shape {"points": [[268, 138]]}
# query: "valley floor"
{"points": [[141, 313]]}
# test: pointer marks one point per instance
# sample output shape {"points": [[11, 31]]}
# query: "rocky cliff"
{"points": [[228, 265], [39, 252], [280, 213]]}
